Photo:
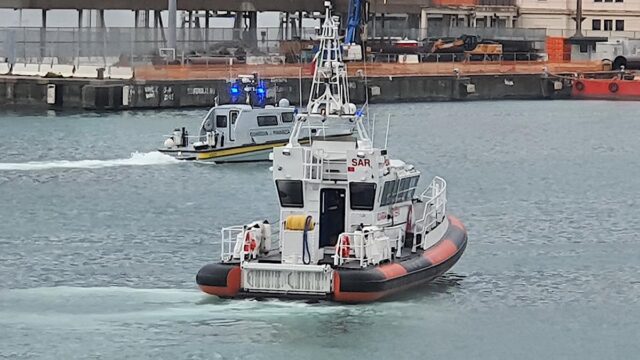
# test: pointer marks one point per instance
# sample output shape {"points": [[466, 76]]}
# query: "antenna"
{"points": [[300, 85], [373, 130], [386, 137]]}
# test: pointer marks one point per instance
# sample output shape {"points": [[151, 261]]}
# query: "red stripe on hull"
{"points": [[392, 271], [441, 252], [233, 285]]}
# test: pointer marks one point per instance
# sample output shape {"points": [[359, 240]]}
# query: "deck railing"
{"points": [[228, 242], [435, 208], [368, 248]]}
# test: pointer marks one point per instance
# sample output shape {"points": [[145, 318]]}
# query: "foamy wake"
{"points": [[136, 159]]}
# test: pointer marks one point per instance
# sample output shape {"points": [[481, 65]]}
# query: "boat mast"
{"points": [[329, 90]]}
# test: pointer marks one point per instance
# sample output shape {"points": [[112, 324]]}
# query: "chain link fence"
{"points": [[134, 46], [138, 45]]}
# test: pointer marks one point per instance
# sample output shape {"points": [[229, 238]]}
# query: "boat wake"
{"points": [[136, 159]]}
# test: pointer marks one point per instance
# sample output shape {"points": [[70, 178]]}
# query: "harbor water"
{"points": [[101, 237]]}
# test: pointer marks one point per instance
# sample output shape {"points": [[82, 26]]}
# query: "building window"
{"points": [[596, 24], [619, 0], [619, 25], [597, 0], [608, 25], [608, 0]]}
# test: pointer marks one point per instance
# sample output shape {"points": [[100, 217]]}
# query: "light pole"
{"points": [[579, 19]]}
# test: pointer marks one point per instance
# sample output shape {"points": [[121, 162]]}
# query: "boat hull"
{"points": [[606, 89], [356, 285], [248, 153], [244, 153]]}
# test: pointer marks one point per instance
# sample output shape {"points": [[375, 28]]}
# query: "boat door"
{"points": [[233, 117], [332, 212], [222, 125]]}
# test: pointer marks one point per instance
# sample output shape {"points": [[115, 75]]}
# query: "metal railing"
{"points": [[367, 247], [466, 58], [312, 166], [434, 198], [228, 242], [567, 33], [489, 33]]}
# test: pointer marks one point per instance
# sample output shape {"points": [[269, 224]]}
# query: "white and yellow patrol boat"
{"points": [[241, 132]]}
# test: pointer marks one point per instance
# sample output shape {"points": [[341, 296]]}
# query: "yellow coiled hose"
{"points": [[297, 222]]}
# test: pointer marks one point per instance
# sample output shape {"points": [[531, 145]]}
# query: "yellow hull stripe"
{"points": [[237, 151]]}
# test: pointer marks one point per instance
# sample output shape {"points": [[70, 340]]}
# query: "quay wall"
{"points": [[60, 93]]}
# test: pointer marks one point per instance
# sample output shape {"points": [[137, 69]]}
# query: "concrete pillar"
{"points": [[287, 33], [424, 24], [253, 27], [80, 23], [206, 28], [237, 26], [100, 21], [173, 13], [43, 34]]}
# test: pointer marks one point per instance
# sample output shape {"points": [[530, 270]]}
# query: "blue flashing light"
{"points": [[359, 113], [235, 90], [261, 89]]}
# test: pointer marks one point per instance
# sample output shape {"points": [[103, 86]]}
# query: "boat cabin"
{"points": [[238, 124], [345, 187]]}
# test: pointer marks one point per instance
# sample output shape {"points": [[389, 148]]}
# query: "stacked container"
{"points": [[558, 49]]}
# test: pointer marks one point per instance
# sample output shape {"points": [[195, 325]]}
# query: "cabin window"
{"points": [[290, 193], [287, 117], [234, 116], [362, 195], [221, 121], [388, 193], [270, 120], [400, 190], [404, 190]]}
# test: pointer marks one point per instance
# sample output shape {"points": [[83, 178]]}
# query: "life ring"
{"points": [[613, 87], [249, 242], [579, 85], [344, 248]]}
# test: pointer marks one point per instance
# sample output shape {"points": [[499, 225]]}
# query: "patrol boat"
{"points": [[235, 132], [239, 132], [351, 228]]}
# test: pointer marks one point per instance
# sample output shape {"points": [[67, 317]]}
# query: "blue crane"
{"points": [[353, 21]]}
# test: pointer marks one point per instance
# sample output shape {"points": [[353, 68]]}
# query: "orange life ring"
{"points": [[249, 242], [579, 85], [344, 247], [613, 87]]}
